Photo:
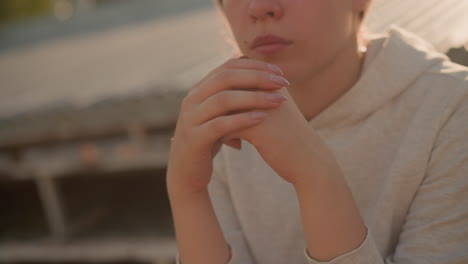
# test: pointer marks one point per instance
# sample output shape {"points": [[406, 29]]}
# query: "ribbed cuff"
{"points": [[366, 253], [230, 260]]}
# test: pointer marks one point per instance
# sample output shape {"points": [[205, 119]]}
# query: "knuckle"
{"points": [[186, 102], [225, 75], [223, 99], [230, 62], [192, 90]]}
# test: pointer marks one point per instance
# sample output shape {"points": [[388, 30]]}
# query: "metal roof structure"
{"points": [[442, 23]]}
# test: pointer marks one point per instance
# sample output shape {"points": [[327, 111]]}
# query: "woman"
{"points": [[347, 155]]}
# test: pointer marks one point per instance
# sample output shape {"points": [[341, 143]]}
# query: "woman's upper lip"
{"points": [[268, 39]]}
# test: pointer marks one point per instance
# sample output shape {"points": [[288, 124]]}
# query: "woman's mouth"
{"points": [[269, 44]]}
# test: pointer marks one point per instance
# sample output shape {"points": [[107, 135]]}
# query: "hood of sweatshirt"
{"points": [[394, 61]]}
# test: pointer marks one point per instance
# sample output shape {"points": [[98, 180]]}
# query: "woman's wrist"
{"points": [[199, 235], [180, 192], [181, 183]]}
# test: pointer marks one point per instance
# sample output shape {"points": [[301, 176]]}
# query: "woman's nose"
{"points": [[262, 9]]}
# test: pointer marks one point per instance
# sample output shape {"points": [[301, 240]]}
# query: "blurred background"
{"points": [[89, 96]]}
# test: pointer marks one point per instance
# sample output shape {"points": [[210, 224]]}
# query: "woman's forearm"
{"points": [[331, 219], [198, 233]]}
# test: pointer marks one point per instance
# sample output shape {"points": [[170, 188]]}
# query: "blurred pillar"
{"points": [[53, 205], [84, 5]]}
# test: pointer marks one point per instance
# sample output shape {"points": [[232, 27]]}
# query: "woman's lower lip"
{"points": [[271, 48]]}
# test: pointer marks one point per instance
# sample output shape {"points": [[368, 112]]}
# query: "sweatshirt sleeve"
{"points": [[225, 212], [436, 225]]}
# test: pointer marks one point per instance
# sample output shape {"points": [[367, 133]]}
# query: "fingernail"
{"points": [[277, 98], [257, 115], [276, 69], [278, 80]]}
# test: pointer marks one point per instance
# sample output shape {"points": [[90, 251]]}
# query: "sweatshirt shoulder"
{"points": [[441, 93], [446, 85], [446, 77], [428, 64], [456, 72]]}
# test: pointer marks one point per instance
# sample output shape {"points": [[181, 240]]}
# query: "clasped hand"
{"points": [[244, 99]]}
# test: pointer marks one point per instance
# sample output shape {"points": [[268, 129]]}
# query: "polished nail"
{"points": [[257, 115], [280, 81], [276, 69], [277, 98]]}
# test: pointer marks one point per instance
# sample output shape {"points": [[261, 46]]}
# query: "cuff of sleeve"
{"points": [[230, 260], [178, 259], [366, 253]]}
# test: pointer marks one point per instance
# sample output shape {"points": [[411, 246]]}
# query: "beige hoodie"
{"points": [[400, 136]]}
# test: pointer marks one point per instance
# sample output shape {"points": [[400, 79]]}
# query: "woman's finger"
{"points": [[231, 101], [237, 79], [240, 63], [218, 127]]}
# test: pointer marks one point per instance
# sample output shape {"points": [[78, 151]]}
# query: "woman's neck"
{"points": [[315, 94]]}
